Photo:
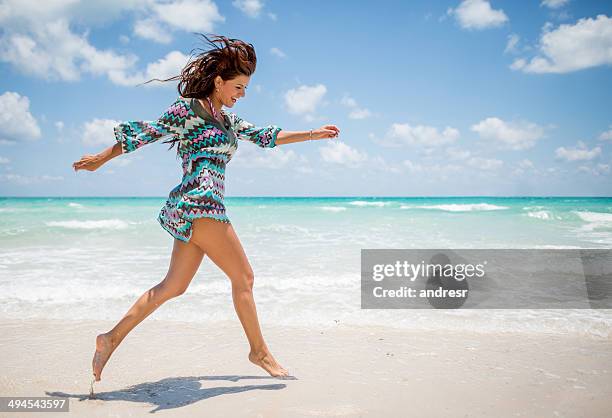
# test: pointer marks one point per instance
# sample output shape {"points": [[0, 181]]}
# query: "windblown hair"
{"points": [[227, 58], [232, 57]]}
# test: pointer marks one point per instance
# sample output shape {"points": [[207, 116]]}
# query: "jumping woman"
{"points": [[194, 213]]}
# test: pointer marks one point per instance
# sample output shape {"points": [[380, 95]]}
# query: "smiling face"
{"points": [[230, 91]]}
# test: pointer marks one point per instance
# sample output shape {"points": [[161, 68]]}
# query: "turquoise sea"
{"points": [[90, 258]]}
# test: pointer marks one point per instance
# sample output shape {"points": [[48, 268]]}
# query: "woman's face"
{"points": [[230, 91]]}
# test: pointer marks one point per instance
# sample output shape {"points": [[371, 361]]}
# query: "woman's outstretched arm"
{"points": [[92, 162], [288, 137]]}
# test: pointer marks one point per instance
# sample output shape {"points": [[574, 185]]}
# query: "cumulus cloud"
{"points": [[512, 135], [39, 39], [511, 45], [554, 4], [15, 118], [164, 68], [304, 100], [152, 30], [477, 14], [251, 8], [578, 153], [337, 152], [485, 163], [165, 17], [26, 180], [585, 44], [457, 154], [277, 52], [249, 155], [99, 132], [356, 112], [404, 133], [595, 170], [607, 135]]}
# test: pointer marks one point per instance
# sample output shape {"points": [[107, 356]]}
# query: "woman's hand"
{"points": [[90, 162], [326, 131]]}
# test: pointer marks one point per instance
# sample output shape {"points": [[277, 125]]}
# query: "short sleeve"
{"points": [[264, 137], [137, 133]]}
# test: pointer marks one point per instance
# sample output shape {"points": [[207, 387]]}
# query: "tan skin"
{"points": [[215, 239]]}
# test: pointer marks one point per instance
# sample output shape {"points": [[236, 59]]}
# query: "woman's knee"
{"points": [[243, 282], [167, 290]]}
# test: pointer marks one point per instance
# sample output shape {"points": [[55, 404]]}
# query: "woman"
{"points": [[194, 213]]}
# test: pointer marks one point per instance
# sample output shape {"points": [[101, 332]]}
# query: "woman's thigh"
{"points": [[221, 244], [185, 261]]}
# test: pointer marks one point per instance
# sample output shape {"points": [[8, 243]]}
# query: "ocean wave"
{"points": [[333, 208], [540, 214], [101, 224], [595, 220], [468, 207], [75, 205], [365, 203]]}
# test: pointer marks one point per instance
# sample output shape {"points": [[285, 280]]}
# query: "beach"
{"points": [[180, 369], [70, 268]]}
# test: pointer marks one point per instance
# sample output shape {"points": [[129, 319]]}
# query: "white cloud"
{"points": [[485, 163], [252, 8], [586, 44], [99, 132], [305, 100], [189, 15], [607, 135], [356, 111], [525, 164], [152, 30], [59, 125], [512, 135], [166, 67], [252, 156], [38, 37], [578, 153], [404, 133], [412, 167], [53, 52], [596, 170], [4, 160], [25, 180], [15, 118], [337, 152], [478, 14], [277, 52], [457, 154], [511, 45], [554, 4]]}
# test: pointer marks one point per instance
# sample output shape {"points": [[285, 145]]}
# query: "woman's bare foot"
{"points": [[265, 360], [104, 348]]}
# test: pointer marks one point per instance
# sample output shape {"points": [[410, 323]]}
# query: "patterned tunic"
{"points": [[205, 147]]}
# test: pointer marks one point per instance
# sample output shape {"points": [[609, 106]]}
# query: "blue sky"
{"points": [[433, 98]]}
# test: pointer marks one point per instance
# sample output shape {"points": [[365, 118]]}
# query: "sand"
{"points": [[179, 369]]}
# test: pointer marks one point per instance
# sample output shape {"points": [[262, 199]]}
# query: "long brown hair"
{"points": [[227, 58]]}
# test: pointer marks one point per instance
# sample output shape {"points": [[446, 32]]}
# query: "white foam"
{"points": [[364, 203], [468, 207], [540, 214], [333, 208], [595, 217], [101, 224], [75, 205]]}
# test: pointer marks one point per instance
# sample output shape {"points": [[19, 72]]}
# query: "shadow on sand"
{"points": [[174, 392]]}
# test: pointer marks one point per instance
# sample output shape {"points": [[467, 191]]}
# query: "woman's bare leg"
{"points": [[186, 258], [221, 244]]}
